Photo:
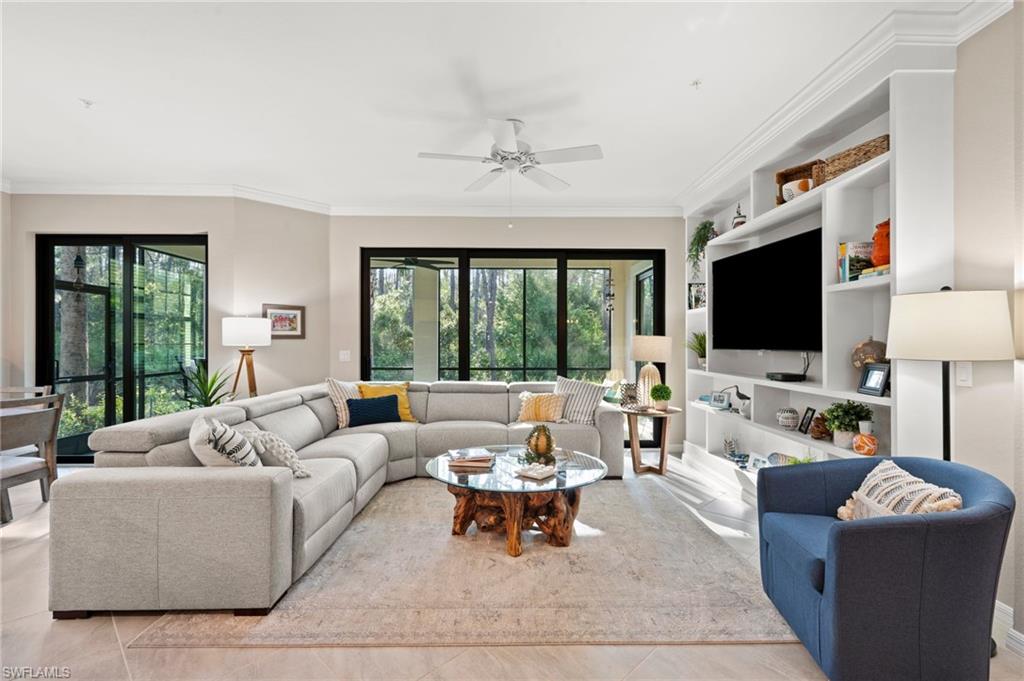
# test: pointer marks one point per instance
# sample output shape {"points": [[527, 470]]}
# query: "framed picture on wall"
{"points": [[286, 321], [698, 296]]}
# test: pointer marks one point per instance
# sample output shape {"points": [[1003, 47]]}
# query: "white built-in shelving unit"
{"points": [[903, 89]]}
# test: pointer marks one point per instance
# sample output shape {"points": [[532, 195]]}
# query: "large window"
{"points": [[432, 314], [117, 320]]}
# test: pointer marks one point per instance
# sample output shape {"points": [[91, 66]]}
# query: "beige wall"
{"points": [[986, 233], [257, 253], [349, 234]]}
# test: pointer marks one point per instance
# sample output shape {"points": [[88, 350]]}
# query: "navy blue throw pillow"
{"points": [[373, 410]]}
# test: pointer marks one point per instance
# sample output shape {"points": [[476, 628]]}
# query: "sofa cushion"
{"points": [[437, 438], [262, 405], [324, 410], [373, 410], [583, 399], [368, 452], [801, 540], [467, 406], [419, 392], [145, 434], [299, 426], [401, 437], [517, 388], [546, 407], [316, 500], [274, 451], [574, 436], [340, 393]]}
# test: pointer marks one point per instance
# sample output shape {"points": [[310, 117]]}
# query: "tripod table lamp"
{"points": [[245, 333], [650, 349]]}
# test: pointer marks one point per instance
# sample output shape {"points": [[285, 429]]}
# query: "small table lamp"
{"points": [[650, 349], [950, 326], [245, 333]]}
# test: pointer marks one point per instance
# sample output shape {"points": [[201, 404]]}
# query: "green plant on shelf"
{"points": [[845, 416], [698, 343], [796, 462], [661, 393], [704, 233]]}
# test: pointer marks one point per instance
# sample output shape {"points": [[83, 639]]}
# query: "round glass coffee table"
{"points": [[497, 498]]}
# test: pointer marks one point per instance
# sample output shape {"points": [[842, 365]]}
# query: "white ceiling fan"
{"points": [[513, 155]]}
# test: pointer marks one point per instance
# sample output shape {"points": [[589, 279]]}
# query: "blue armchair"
{"points": [[905, 597]]}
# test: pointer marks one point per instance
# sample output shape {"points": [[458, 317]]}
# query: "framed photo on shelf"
{"points": [[805, 422], [874, 379], [286, 321], [720, 400], [698, 296]]}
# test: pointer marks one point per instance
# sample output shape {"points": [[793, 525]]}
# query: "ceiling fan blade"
{"points": [[456, 157], [504, 134], [589, 152], [390, 260], [544, 178], [485, 180]]}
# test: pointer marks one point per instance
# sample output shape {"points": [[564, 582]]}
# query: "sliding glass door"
{"points": [[117, 320]]}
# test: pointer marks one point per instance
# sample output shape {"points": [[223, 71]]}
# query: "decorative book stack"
{"points": [[472, 458]]}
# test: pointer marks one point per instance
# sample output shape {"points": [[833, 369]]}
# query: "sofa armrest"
{"points": [[610, 427], [170, 538]]}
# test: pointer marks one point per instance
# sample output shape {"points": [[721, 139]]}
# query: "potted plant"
{"points": [[843, 419], [661, 394], [204, 389], [699, 344], [704, 233]]}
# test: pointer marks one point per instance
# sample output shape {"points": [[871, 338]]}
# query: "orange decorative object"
{"points": [[865, 443], [880, 252]]}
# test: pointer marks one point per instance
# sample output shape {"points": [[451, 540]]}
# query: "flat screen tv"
{"points": [[769, 298]]}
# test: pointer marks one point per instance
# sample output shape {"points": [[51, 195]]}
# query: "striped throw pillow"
{"points": [[582, 399], [541, 407], [217, 444], [341, 392], [890, 490]]}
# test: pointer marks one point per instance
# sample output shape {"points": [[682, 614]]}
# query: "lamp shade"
{"points": [[954, 326], [652, 348], [245, 332]]}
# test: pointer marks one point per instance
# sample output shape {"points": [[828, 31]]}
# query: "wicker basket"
{"points": [[853, 157], [812, 170]]}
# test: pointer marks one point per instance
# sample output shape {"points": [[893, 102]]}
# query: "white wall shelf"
{"points": [[883, 281], [809, 387]]}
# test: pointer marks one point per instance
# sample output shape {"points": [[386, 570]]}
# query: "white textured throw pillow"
{"points": [[890, 490], [274, 451], [217, 444], [583, 399], [341, 392]]}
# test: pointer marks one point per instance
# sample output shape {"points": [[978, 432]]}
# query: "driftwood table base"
{"points": [[553, 513]]}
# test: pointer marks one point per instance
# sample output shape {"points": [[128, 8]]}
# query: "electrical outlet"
{"points": [[344, 355]]}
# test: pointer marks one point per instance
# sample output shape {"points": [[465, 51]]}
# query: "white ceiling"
{"points": [[331, 102]]}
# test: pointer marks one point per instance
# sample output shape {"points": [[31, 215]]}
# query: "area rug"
{"points": [[641, 569]]}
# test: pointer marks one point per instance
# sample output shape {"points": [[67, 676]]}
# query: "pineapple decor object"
{"points": [[540, 446]]}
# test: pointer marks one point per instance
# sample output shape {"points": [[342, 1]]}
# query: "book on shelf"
{"points": [[879, 271], [854, 258]]}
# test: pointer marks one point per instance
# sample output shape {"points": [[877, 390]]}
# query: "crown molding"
{"points": [[934, 33], [518, 211]]}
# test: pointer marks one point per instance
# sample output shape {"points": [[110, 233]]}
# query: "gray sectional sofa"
{"points": [[149, 528]]}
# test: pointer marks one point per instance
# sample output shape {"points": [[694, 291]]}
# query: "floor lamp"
{"points": [[950, 326], [245, 333]]}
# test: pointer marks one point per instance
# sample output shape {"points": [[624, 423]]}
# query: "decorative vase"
{"points": [[739, 219], [661, 405], [819, 428], [843, 438], [880, 251], [788, 418], [541, 445], [865, 442], [867, 352], [702, 362]]}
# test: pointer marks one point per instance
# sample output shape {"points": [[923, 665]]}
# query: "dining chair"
{"points": [[24, 422], [17, 391]]}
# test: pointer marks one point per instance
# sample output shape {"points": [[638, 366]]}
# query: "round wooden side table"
{"points": [[634, 437]]}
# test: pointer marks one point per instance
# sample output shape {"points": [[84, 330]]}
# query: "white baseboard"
{"points": [[1015, 642]]}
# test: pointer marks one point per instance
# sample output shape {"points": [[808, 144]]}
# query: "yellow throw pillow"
{"points": [[541, 407], [400, 389]]}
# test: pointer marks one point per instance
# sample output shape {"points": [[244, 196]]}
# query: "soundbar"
{"points": [[785, 377]]}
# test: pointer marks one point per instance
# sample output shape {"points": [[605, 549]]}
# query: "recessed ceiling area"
{"points": [[332, 102]]}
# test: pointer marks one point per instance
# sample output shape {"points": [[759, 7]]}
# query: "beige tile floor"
{"points": [[95, 648]]}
